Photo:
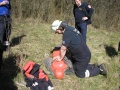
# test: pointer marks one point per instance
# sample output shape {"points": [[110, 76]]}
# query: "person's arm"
{"points": [[65, 43], [90, 10], [62, 54], [4, 2]]}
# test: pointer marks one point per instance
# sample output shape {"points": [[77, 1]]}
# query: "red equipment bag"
{"points": [[35, 77]]}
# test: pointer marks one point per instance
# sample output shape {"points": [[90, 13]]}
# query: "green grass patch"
{"points": [[31, 40]]}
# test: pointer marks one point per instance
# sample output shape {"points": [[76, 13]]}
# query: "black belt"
{"points": [[4, 17]]}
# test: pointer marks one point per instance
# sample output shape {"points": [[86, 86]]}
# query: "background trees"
{"points": [[106, 15]]}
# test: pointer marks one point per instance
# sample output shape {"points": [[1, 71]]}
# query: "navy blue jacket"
{"points": [[75, 43], [82, 11]]}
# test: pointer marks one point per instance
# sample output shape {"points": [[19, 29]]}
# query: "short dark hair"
{"points": [[61, 28], [64, 24]]}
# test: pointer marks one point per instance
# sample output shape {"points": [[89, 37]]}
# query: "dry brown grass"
{"points": [[39, 39]]}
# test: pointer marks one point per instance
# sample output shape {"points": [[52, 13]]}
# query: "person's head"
{"points": [[59, 26], [78, 2]]}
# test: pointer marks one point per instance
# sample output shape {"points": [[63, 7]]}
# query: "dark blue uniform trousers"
{"points": [[1, 56], [2, 29], [82, 27], [1, 39], [82, 64]]}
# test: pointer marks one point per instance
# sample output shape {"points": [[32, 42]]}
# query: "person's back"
{"points": [[77, 45]]}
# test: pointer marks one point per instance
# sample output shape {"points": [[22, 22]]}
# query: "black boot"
{"points": [[103, 71]]}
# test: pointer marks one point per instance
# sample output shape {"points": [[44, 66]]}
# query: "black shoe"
{"points": [[103, 71], [96, 65]]}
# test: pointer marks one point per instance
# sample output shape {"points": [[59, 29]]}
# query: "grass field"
{"points": [[30, 40]]}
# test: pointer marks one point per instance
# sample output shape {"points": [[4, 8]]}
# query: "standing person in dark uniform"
{"points": [[81, 55], [5, 27], [82, 13]]}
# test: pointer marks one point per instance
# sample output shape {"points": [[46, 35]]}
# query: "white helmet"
{"points": [[56, 24]]}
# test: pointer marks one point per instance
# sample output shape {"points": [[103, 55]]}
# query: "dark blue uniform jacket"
{"points": [[75, 43], [82, 11]]}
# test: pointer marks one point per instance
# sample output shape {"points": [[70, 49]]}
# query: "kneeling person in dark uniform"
{"points": [[81, 55]]}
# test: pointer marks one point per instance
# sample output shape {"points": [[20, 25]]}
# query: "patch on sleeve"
{"points": [[63, 42], [80, 8], [89, 6]]}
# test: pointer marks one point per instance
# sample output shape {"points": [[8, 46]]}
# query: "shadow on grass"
{"points": [[8, 72], [119, 47], [16, 40], [110, 51]]}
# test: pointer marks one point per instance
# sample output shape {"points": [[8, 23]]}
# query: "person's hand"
{"points": [[32, 77], [89, 6], [57, 58], [84, 18], [5, 2]]}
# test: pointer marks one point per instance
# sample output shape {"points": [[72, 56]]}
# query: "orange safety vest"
{"points": [[58, 67]]}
